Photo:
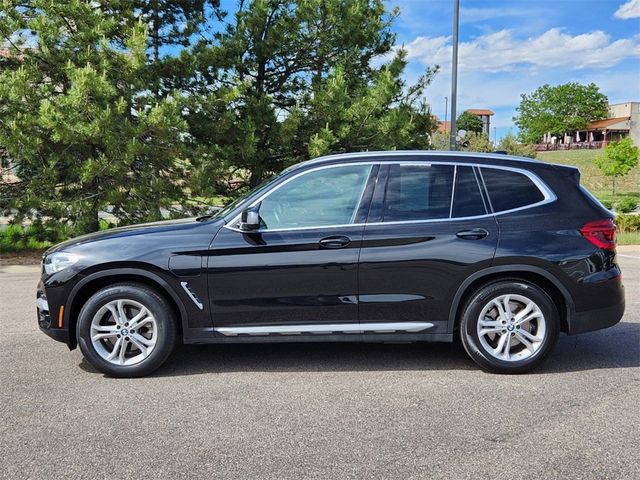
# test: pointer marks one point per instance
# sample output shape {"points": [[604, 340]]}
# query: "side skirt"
{"points": [[327, 328], [333, 338]]}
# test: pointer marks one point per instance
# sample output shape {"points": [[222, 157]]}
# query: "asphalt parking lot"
{"points": [[319, 411]]}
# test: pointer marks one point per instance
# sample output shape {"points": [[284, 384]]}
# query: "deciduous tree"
{"points": [[559, 109], [618, 160]]}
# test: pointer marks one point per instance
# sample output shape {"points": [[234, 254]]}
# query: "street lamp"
{"points": [[454, 74], [446, 107]]}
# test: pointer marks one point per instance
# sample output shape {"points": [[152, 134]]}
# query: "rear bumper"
{"points": [[591, 320]]}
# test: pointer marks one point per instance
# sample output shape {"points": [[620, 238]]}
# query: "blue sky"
{"points": [[512, 47]]}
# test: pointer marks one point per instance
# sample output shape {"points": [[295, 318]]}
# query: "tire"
{"points": [[515, 342], [108, 321]]}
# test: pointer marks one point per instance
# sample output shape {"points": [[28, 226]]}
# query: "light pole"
{"points": [[454, 74], [495, 136], [446, 107]]}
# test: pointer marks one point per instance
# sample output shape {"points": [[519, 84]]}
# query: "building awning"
{"points": [[620, 123]]}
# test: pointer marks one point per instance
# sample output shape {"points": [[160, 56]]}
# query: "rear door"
{"points": [[429, 228]]}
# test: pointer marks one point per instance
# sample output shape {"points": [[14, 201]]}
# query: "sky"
{"points": [[512, 47]]}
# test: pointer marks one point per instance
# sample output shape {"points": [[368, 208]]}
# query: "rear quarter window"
{"points": [[509, 190]]}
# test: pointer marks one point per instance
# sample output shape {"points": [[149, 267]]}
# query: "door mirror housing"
{"points": [[250, 220]]}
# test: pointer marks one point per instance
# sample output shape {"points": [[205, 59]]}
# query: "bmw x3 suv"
{"points": [[503, 252]]}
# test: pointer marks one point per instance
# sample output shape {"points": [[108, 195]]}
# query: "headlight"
{"points": [[59, 261]]}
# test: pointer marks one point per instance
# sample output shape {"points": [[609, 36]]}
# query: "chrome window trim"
{"points": [[548, 194]]}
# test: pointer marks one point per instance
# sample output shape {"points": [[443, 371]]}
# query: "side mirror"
{"points": [[250, 220]]}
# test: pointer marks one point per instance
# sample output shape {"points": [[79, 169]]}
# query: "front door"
{"points": [[428, 230], [297, 274]]}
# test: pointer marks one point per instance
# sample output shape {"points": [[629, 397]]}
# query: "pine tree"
{"points": [[76, 118]]}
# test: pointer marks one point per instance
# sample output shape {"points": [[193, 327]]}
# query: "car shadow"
{"points": [[616, 347]]}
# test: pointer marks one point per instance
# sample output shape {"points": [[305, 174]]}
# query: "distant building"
{"points": [[443, 126], [482, 113], [485, 115], [623, 121]]}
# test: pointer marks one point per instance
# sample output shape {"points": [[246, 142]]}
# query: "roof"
{"points": [[480, 111], [419, 155], [608, 122]]}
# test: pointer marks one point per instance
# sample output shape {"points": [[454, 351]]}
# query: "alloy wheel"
{"points": [[123, 332], [511, 327]]}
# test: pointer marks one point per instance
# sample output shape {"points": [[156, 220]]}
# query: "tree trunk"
{"points": [[89, 222]]}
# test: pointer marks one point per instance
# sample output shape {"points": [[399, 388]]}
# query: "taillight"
{"points": [[602, 233]]}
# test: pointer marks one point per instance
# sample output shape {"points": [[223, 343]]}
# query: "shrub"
{"points": [[626, 205], [37, 236], [628, 223]]}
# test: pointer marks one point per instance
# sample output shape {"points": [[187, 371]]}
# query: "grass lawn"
{"points": [[592, 177], [628, 238], [597, 183]]}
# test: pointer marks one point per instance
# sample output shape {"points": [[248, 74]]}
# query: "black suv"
{"points": [[504, 252]]}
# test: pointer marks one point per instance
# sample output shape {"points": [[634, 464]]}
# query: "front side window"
{"points": [[509, 190], [418, 192], [325, 197]]}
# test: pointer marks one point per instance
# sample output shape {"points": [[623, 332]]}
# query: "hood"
{"points": [[132, 230]]}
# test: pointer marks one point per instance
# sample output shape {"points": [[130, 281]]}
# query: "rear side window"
{"points": [[467, 199], [418, 192], [508, 190]]}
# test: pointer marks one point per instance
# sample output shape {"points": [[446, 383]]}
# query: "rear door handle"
{"points": [[337, 241], [473, 234]]}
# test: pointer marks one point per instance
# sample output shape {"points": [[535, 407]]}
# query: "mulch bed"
{"points": [[31, 257]]}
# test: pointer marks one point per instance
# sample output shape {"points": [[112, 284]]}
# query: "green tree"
{"points": [[475, 142], [469, 122], [509, 143], [138, 105], [77, 119], [618, 160], [439, 141], [301, 80], [560, 109]]}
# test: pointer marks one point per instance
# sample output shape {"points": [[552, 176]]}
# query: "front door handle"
{"points": [[473, 234], [337, 241]]}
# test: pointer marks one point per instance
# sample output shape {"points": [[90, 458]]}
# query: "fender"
{"points": [[127, 271], [508, 269]]}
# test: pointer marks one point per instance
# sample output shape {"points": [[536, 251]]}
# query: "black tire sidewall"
{"points": [[158, 307], [471, 312]]}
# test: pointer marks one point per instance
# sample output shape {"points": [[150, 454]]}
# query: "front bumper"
{"points": [[58, 334], [44, 318]]}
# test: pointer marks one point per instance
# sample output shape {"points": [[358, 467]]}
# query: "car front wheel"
{"points": [[126, 330], [509, 326]]}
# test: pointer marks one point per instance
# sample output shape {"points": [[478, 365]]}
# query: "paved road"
{"points": [[319, 411]]}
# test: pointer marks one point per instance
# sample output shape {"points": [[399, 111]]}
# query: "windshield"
{"points": [[241, 199]]}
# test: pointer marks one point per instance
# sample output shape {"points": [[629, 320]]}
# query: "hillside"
{"points": [[592, 178]]}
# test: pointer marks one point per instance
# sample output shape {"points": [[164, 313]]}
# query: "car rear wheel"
{"points": [[126, 330], [509, 326]]}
